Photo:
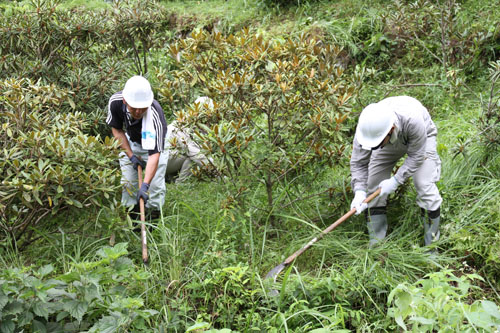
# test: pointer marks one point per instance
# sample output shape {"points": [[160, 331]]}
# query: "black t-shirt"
{"points": [[119, 117]]}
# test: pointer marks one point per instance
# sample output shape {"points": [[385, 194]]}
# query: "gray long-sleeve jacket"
{"points": [[413, 126]]}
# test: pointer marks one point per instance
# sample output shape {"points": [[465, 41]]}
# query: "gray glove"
{"points": [[137, 161], [143, 193]]}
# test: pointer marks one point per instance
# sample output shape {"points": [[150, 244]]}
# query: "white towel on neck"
{"points": [[148, 132]]}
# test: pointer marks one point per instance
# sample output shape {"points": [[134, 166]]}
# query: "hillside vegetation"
{"points": [[288, 79]]}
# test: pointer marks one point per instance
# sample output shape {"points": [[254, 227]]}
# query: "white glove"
{"points": [[388, 186], [358, 203]]}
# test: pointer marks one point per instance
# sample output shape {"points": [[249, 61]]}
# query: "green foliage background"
{"points": [[61, 60]]}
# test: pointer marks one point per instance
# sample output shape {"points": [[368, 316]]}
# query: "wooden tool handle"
{"points": [[143, 220]]}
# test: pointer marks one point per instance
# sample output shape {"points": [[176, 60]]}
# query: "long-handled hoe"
{"points": [[273, 273], [143, 220]]}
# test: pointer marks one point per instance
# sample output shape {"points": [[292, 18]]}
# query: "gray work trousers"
{"points": [[130, 183], [384, 159], [179, 163]]}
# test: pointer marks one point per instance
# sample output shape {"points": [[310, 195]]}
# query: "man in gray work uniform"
{"points": [[386, 131]]}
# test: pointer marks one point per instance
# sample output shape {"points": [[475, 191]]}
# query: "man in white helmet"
{"points": [[138, 123], [387, 131], [183, 151]]}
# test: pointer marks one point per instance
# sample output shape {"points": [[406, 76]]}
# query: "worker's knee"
{"points": [[423, 185]]}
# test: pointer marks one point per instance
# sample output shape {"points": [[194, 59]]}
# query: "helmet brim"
{"points": [[137, 104], [142, 105], [369, 143]]}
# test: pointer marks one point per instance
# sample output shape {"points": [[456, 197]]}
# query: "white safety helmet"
{"points": [[205, 101], [375, 122], [137, 92]]}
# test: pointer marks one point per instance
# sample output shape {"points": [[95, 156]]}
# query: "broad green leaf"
{"points": [[45, 270], [13, 308], [3, 301], [91, 293], [114, 252], [61, 315], [198, 326], [403, 300], [25, 318], [7, 326], [39, 327], [491, 309], [76, 309], [480, 319], [455, 316], [70, 277], [106, 324], [55, 293], [41, 309]]}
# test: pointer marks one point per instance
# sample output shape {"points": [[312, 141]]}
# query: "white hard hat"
{"points": [[205, 101], [137, 92], [375, 122]]}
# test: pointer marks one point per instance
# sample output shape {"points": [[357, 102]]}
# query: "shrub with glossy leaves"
{"points": [[47, 163], [89, 52], [281, 107]]}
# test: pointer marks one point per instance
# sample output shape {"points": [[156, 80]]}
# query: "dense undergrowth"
{"points": [[218, 236]]}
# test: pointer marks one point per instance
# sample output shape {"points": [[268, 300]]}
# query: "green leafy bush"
{"points": [[280, 107], [47, 163], [96, 296], [226, 297], [440, 302], [490, 119], [136, 28], [82, 50], [426, 32]]}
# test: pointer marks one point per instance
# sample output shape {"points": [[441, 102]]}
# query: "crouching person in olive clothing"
{"points": [[138, 123], [387, 131]]}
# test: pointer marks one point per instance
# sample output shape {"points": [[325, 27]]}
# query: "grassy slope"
{"points": [[196, 237]]}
